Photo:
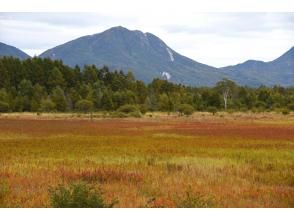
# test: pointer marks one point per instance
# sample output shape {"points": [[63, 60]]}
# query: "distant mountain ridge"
{"points": [[143, 53], [252, 72], [7, 50]]}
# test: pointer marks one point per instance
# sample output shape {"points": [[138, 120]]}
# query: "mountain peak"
{"points": [[118, 28], [145, 54]]}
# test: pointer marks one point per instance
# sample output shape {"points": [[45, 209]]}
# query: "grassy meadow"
{"points": [[222, 160]]}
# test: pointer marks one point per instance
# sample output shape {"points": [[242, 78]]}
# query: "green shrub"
{"points": [[291, 106], [128, 109], [285, 111], [78, 195], [186, 109], [4, 107], [84, 105], [212, 110]]}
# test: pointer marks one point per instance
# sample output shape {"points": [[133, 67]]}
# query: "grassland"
{"points": [[226, 160]]}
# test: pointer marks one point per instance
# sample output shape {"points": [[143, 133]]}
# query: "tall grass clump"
{"points": [[4, 189], [79, 195]]}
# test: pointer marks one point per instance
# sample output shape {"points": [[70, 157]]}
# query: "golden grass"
{"points": [[235, 160]]}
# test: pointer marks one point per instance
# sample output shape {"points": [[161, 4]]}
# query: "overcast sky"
{"points": [[216, 39]]}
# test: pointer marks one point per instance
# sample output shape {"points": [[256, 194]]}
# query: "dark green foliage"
{"points": [[186, 109], [55, 78], [47, 105], [291, 105], [44, 85], [84, 105], [4, 107], [78, 195], [58, 97], [106, 102]]}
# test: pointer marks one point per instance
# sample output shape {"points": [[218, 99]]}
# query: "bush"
{"points": [[291, 106], [143, 109], [4, 107], [186, 109], [84, 105], [128, 109], [78, 195], [195, 201], [47, 105], [212, 110], [285, 111]]}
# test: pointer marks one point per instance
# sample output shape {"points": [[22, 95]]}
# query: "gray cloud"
{"points": [[237, 23], [69, 19]]}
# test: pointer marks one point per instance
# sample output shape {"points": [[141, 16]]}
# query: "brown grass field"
{"points": [[226, 160]]}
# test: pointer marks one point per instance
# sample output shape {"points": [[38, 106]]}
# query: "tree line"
{"points": [[44, 85]]}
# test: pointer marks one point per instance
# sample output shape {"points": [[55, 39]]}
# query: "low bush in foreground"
{"points": [[79, 195], [192, 200], [4, 189]]}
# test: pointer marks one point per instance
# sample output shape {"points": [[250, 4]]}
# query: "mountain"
{"points": [[148, 57], [254, 73], [6, 50], [144, 54]]}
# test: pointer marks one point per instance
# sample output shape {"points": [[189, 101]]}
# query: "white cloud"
{"points": [[217, 39]]}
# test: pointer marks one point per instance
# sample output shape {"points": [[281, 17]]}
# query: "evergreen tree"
{"points": [[59, 99]]}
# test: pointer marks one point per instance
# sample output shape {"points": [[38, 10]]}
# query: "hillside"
{"points": [[7, 50]]}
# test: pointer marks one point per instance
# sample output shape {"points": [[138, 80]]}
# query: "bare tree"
{"points": [[226, 87]]}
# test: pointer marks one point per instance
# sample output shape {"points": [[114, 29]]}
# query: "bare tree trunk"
{"points": [[226, 94]]}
